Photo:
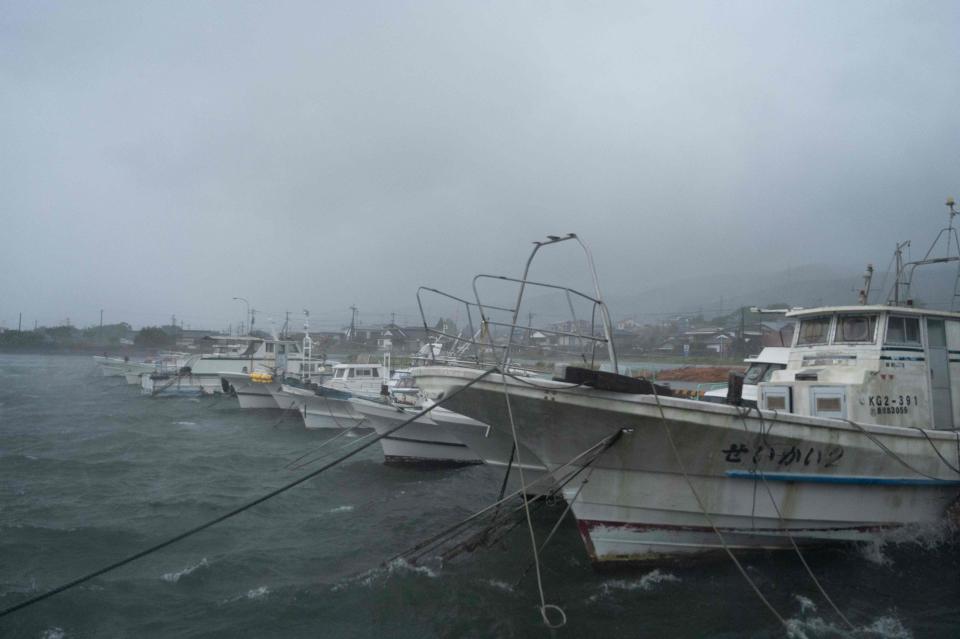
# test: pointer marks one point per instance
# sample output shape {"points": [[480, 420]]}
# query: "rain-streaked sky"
{"points": [[163, 158]]}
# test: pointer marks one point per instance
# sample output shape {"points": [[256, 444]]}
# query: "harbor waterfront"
{"points": [[92, 471]]}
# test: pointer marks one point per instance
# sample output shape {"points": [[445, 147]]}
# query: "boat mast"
{"points": [[307, 346], [901, 288]]}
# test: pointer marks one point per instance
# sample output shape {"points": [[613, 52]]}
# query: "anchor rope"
{"points": [[235, 511]]}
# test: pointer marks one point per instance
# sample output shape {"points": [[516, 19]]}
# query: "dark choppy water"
{"points": [[91, 472]]}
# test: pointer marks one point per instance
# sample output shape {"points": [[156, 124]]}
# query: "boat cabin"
{"points": [[892, 365], [357, 371]]}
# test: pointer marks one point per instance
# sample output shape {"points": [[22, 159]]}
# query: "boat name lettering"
{"points": [[826, 457]]}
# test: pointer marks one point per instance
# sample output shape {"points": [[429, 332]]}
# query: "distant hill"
{"points": [[719, 294]]}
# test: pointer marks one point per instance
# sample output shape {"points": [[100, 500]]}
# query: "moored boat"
{"points": [[421, 441], [854, 438]]}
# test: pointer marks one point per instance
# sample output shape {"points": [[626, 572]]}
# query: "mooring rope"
{"points": [[706, 514], [506, 475], [613, 439], [887, 450], [292, 464], [544, 606], [546, 477], [283, 414], [335, 450], [235, 511], [783, 523]]}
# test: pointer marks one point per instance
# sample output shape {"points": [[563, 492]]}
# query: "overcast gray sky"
{"points": [[161, 158]]}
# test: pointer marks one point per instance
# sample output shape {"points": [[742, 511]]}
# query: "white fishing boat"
{"points": [[122, 366], [422, 441], [853, 439], [327, 406], [227, 369], [170, 380]]}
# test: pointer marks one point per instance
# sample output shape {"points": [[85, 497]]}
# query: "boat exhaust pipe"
{"points": [[735, 388]]}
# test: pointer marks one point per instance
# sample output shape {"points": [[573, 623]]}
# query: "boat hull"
{"points": [[759, 476], [251, 393], [171, 386], [320, 411], [495, 448], [422, 441]]}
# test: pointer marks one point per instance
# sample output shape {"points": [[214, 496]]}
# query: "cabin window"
{"points": [[828, 402], [776, 402], [350, 372], [855, 328], [283, 348], [339, 373], [776, 398], [755, 374], [814, 330], [269, 348], [903, 330]]}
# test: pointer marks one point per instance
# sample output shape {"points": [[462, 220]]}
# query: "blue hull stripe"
{"points": [[843, 479]]}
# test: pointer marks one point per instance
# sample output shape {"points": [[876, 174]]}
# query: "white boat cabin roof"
{"points": [[771, 355], [872, 308]]}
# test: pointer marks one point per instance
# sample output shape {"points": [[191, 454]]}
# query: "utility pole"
{"points": [[19, 322], [101, 324], [743, 343], [353, 321]]}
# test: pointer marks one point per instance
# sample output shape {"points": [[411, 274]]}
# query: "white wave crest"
{"points": [[806, 605], [53, 633], [174, 577], [499, 585], [382, 573], [926, 536], [258, 593], [644, 583], [185, 423], [815, 627], [340, 509], [807, 626]]}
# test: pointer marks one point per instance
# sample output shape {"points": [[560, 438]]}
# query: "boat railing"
{"points": [[598, 331], [462, 348], [494, 334]]}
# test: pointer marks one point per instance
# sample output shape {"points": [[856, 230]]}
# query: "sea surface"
{"points": [[92, 472]]}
